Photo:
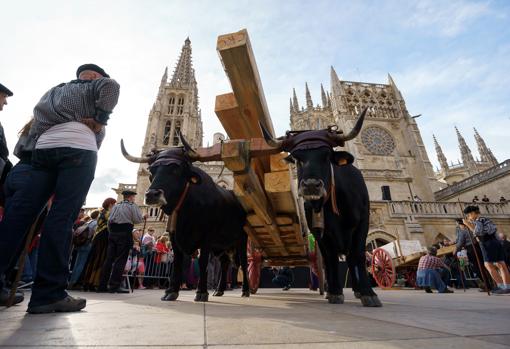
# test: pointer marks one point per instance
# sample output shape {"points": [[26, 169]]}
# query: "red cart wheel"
{"points": [[383, 269], [254, 268]]}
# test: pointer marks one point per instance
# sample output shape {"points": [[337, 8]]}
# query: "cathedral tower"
{"points": [[312, 117], [175, 109]]}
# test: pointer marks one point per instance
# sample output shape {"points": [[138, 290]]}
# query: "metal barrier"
{"points": [[147, 269]]}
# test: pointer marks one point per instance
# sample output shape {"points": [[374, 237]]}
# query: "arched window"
{"points": [[175, 141], [180, 105], [171, 105], [166, 134]]}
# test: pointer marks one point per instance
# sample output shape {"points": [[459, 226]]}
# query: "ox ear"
{"points": [[194, 178], [342, 158], [289, 159]]}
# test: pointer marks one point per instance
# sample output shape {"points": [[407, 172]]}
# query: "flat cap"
{"points": [[128, 192], [5, 90], [93, 67]]}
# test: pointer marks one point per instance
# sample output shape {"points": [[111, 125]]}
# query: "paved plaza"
{"points": [[271, 319]]}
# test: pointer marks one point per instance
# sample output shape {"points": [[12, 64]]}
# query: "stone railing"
{"points": [[475, 180], [444, 209]]}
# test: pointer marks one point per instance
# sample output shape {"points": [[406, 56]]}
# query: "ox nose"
{"points": [[312, 189], [154, 197]]}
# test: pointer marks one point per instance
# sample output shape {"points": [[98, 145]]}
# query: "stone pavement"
{"points": [[270, 319]]}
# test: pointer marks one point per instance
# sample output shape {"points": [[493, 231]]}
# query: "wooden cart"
{"points": [[264, 185], [399, 257]]}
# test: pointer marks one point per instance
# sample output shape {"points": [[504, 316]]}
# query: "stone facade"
{"points": [[396, 167]]}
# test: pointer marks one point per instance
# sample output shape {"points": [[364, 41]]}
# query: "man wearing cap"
{"points": [[122, 219], [69, 127]]}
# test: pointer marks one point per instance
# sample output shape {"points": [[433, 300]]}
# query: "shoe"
{"points": [[428, 290], [119, 290], [68, 304], [286, 288], [447, 291], [4, 297], [501, 291], [101, 290], [141, 288]]}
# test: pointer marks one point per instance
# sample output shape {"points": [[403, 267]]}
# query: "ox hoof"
{"points": [[357, 294], [172, 296], [336, 299], [218, 293], [245, 294], [202, 297], [370, 301]]}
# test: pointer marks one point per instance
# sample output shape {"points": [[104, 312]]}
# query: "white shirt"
{"points": [[70, 134]]}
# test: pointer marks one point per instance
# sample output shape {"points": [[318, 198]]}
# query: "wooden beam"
{"points": [[238, 60], [278, 163]]}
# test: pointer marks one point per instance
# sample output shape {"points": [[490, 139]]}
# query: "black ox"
{"points": [[336, 203], [202, 215]]}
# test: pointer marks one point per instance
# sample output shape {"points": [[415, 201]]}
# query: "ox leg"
{"points": [[222, 284], [360, 281], [172, 292], [242, 254], [202, 295], [335, 290]]}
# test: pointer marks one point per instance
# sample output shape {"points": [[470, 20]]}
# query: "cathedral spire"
{"points": [[396, 91], [440, 156], [485, 152], [334, 76], [291, 106], [295, 100], [309, 103], [465, 152], [184, 75], [324, 97]]}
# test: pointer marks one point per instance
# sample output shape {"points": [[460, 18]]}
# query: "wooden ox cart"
{"points": [[399, 257], [264, 185]]}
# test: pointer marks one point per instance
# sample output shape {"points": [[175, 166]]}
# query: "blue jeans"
{"points": [[82, 253], [16, 180], [430, 278], [67, 173]]}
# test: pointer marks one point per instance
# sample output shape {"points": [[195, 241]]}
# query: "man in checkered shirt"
{"points": [[69, 123], [428, 275]]}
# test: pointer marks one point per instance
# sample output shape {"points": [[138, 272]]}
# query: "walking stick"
{"points": [[21, 262], [480, 267]]}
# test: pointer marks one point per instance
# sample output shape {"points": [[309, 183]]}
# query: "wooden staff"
{"points": [[21, 262]]}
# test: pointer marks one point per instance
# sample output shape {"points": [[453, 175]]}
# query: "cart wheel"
{"points": [[383, 269], [411, 278], [254, 269]]}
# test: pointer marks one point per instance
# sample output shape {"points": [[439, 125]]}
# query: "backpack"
{"points": [[81, 235], [488, 227]]}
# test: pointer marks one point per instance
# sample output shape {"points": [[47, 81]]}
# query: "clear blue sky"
{"points": [[450, 59]]}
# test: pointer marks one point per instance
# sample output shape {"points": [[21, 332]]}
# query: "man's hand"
{"points": [[145, 216], [95, 126]]}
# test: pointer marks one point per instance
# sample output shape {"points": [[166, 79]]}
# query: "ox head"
{"points": [[170, 171], [313, 154]]}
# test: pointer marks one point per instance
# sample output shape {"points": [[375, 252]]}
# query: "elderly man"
{"points": [[492, 251], [69, 123], [428, 275], [123, 217]]}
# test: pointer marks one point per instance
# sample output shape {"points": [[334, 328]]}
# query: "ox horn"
{"points": [[341, 138], [190, 152], [277, 143], [130, 157]]}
